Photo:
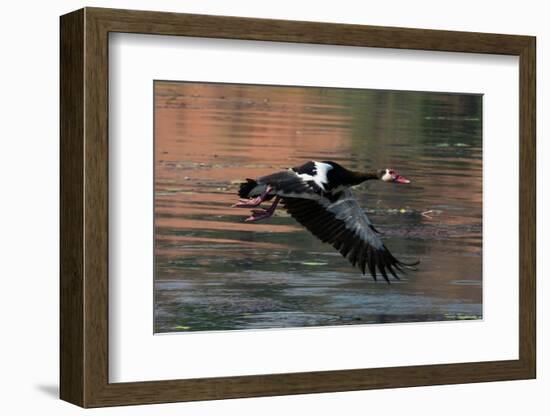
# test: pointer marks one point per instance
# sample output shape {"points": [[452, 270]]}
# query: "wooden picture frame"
{"points": [[84, 207]]}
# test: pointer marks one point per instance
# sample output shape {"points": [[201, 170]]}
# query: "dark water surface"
{"points": [[215, 272]]}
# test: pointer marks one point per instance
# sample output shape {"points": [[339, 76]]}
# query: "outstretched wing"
{"points": [[344, 225]]}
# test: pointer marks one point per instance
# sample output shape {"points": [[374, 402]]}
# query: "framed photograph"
{"points": [[255, 207]]}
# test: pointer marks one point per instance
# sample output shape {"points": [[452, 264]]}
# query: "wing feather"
{"points": [[344, 225]]}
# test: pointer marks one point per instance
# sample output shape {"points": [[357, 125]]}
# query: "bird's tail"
{"points": [[246, 187]]}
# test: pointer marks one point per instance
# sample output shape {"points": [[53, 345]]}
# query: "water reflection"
{"points": [[215, 272]]}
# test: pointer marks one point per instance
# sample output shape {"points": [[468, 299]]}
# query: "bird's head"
{"points": [[391, 175]]}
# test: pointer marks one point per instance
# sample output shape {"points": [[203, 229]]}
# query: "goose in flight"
{"points": [[318, 196]]}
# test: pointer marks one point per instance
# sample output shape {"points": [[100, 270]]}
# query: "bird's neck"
{"points": [[359, 177]]}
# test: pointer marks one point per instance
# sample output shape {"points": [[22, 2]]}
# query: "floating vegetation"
{"points": [[461, 317], [313, 263], [466, 282], [168, 191]]}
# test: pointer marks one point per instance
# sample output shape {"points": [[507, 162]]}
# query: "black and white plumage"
{"points": [[318, 196]]}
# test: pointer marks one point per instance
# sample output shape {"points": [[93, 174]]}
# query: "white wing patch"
{"points": [[320, 175]]}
